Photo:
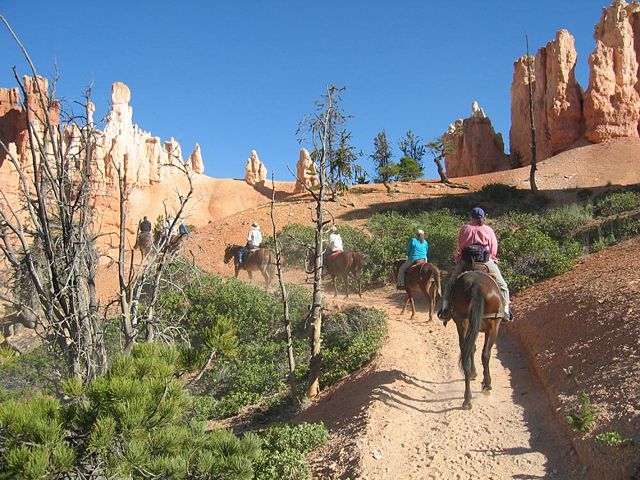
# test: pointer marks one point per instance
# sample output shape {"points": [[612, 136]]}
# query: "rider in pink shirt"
{"points": [[474, 233], [477, 233]]}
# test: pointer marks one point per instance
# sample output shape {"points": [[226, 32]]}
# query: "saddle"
{"points": [[335, 255], [416, 265]]}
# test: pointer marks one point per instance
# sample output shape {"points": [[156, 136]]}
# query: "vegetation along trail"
{"points": [[413, 426]]}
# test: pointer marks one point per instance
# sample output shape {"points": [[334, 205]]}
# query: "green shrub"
{"points": [[529, 255], [613, 439], [618, 202], [501, 193], [581, 421], [284, 450], [31, 372], [130, 423], [559, 222], [259, 367], [350, 339]]}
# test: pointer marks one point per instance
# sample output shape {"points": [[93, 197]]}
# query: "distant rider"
{"points": [[417, 249], [473, 234], [335, 245], [145, 225], [254, 239]]}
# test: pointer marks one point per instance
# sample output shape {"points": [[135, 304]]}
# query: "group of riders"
{"points": [[476, 241], [168, 231]]}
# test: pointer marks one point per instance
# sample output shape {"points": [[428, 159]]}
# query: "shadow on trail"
{"points": [[546, 436]]}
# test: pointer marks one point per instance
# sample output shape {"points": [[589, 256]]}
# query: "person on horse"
{"points": [[476, 234], [335, 245], [254, 239], [145, 225], [417, 249]]}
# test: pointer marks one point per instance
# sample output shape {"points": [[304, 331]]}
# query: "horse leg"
{"points": [[432, 299], [425, 291], [359, 281], [250, 273], [335, 287], [406, 301], [346, 283], [267, 278], [237, 268], [413, 306], [489, 340]]}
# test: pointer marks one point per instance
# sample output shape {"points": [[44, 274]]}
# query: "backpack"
{"points": [[476, 253]]}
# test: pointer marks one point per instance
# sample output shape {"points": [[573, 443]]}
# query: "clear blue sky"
{"points": [[239, 75]]}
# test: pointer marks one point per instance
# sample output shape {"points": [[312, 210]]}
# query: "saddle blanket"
{"points": [[335, 255]]}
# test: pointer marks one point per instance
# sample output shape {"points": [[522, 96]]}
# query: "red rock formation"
{"points": [[306, 173], [557, 101], [473, 147], [255, 171], [612, 103], [121, 146]]}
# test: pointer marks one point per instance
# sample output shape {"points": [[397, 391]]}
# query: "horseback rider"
{"points": [[473, 235], [335, 245], [417, 249], [145, 225], [254, 239]]}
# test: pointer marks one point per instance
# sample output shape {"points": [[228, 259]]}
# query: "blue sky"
{"points": [[239, 75]]}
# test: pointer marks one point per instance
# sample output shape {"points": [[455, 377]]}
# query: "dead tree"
{"points": [[139, 285], [534, 161], [45, 228], [319, 126], [284, 298]]}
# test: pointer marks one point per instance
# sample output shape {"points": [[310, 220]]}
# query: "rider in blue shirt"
{"points": [[417, 249]]}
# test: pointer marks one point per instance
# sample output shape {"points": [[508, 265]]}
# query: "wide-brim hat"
{"points": [[333, 229], [255, 225]]}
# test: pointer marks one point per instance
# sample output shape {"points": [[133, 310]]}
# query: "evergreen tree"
{"points": [[385, 168], [412, 146]]}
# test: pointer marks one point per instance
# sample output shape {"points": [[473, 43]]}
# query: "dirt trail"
{"points": [[400, 418]]}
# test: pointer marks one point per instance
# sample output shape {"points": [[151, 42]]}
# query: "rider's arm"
{"points": [[493, 244]]}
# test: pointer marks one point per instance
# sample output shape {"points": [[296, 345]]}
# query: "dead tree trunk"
{"points": [[534, 167], [284, 298]]}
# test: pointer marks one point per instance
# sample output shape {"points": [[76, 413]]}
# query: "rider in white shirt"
{"points": [[254, 239], [335, 240]]}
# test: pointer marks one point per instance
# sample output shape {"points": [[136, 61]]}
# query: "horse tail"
{"points": [[477, 313]]}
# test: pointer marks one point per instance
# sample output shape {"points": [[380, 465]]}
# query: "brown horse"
{"points": [[341, 264], [421, 277], [144, 243], [476, 306], [259, 260]]}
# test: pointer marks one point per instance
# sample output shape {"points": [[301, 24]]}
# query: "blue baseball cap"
{"points": [[477, 213]]}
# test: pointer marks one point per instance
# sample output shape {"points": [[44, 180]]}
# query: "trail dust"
{"points": [[400, 416]]}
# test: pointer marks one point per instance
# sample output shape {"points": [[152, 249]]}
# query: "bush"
{"points": [[501, 193], [130, 423], [259, 368], [530, 255], [350, 339], [618, 202], [284, 450], [558, 223]]}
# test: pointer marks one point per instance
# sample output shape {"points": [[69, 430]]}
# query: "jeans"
{"points": [[494, 271], [402, 270]]}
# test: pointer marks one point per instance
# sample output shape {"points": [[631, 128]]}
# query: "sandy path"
{"points": [[411, 424]]}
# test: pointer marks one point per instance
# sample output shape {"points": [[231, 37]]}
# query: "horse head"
{"points": [[229, 252]]}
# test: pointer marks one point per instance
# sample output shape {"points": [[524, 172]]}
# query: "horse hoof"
{"points": [[466, 405], [486, 388], [473, 376]]}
